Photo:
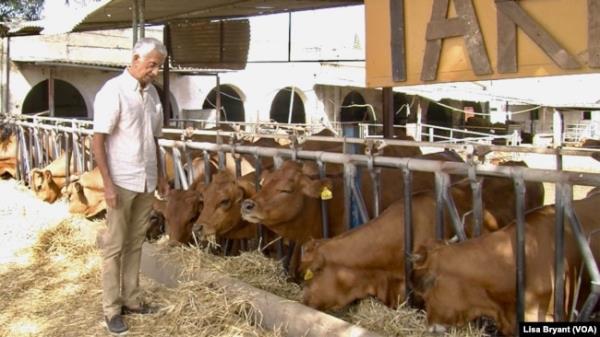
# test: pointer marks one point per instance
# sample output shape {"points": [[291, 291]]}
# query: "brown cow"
{"points": [[180, 211], [375, 251], [47, 183], [462, 282], [86, 194], [222, 199]]}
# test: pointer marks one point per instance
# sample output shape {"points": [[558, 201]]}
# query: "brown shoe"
{"points": [[143, 309]]}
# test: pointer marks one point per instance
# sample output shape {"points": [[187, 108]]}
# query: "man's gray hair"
{"points": [[144, 46]]}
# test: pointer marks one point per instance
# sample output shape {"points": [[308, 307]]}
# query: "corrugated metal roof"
{"points": [[117, 13], [21, 28], [210, 44]]}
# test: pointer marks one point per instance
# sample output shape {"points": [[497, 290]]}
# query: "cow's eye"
{"points": [[225, 203]]}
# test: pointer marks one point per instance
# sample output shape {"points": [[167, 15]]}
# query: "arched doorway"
{"points": [[68, 102], [232, 105], [354, 109], [280, 107]]}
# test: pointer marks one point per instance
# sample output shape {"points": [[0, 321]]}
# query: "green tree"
{"points": [[19, 10]]}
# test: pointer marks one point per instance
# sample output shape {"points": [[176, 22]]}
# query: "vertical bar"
{"points": [[51, 92], [291, 110], [258, 172], [347, 197], [166, 76], [207, 174], [408, 246], [134, 20], [451, 206], [476, 200], [190, 165], [141, 9], [7, 80], [218, 116], [559, 250], [324, 204], [289, 37], [397, 40], [388, 112], [69, 152], [376, 181], [586, 253], [520, 210], [439, 206]]}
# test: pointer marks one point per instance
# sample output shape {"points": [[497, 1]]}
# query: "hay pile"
{"points": [[52, 288], [268, 274]]}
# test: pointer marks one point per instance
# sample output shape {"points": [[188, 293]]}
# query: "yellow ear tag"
{"points": [[308, 275], [326, 193]]}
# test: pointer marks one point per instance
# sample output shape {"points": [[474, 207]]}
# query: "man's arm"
{"points": [[163, 184], [110, 193]]}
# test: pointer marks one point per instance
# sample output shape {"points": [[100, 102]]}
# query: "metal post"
{"points": [[218, 116], [586, 253], [166, 76], [134, 20], [477, 202], [388, 112], [51, 91], [207, 174], [179, 169], [69, 152], [374, 172], [439, 206], [141, 9], [451, 206], [291, 110], [408, 246], [6, 106], [324, 203], [559, 249], [520, 216]]}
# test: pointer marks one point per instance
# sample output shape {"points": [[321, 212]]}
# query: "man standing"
{"points": [[127, 121]]}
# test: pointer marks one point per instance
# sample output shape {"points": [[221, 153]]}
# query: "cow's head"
{"points": [[181, 210], [332, 286], [47, 190], [222, 200], [449, 298], [283, 193], [78, 202]]}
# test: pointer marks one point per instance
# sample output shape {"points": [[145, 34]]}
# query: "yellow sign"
{"points": [[429, 41]]}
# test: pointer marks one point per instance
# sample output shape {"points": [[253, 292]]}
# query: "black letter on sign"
{"points": [[594, 33], [397, 40], [466, 25], [511, 11]]}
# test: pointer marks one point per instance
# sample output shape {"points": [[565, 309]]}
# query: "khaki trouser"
{"points": [[127, 225]]}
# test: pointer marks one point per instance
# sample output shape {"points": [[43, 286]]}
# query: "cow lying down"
{"points": [[475, 278]]}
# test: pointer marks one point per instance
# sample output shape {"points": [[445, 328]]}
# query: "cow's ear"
{"points": [[47, 175], [419, 257], [78, 187], [310, 169], [264, 176], [248, 188], [314, 188]]}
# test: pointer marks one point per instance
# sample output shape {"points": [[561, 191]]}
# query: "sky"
{"points": [[335, 33]]}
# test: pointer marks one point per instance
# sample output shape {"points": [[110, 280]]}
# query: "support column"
{"points": [[51, 92], [388, 112], [166, 77]]}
